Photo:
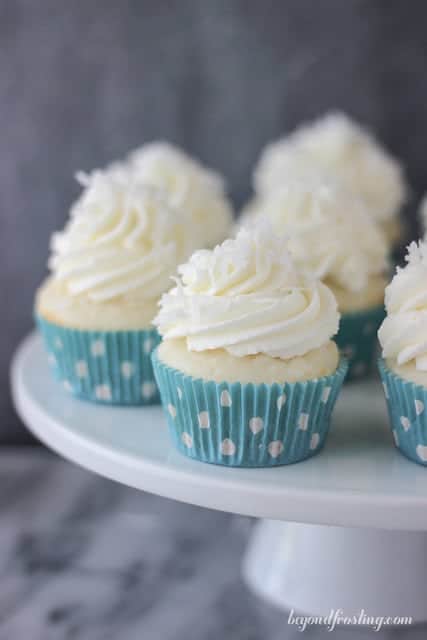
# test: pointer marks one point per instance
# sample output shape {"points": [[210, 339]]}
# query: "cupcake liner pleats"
{"points": [[357, 340], [247, 425], [110, 367], [407, 409]]}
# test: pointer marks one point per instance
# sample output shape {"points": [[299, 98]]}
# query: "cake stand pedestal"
{"points": [[346, 530]]}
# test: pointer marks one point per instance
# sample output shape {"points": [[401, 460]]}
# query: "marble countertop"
{"points": [[83, 557]]}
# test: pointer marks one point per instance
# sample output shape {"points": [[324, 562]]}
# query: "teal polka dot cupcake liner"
{"points": [[247, 425], [109, 367], [357, 340], [407, 409]]}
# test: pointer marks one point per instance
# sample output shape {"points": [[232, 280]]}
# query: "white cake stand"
{"points": [[372, 556]]}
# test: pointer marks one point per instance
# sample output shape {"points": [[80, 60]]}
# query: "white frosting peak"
{"points": [[247, 297], [403, 334], [171, 168], [116, 172], [190, 185], [187, 184], [120, 241], [336, 147], [330, 234]]}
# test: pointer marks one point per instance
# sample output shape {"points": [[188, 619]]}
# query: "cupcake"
{"points": [[247, 371], [403, 367], [109, 267], [338, 148], [190, 187], [331, 236]]}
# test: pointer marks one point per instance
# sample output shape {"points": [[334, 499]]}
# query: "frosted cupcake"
{"points": [[331, 236], [403, 369], [190, 187], [338, 148], [109, 267], [247, 371]]}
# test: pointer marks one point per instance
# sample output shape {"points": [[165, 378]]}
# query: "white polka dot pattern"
{"points": [[148, 390], [103, 366], [256, 425], [103, 392], [147, 346], [126, 369], [419, 407], [325, 394], [422, 452], [314, 441], [405, 422], [187, 440], [203, 418], [407, 411], [97, 348], [281, 400], [268, 426], [225, 398], [303, 421], [275, 448], [228, 448], [81, 369]]}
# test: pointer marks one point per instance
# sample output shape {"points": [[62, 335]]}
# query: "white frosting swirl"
{"points": [[338, 148], [403, 334], [189, 186], [120, 241], [245, 296], [329, 232]]}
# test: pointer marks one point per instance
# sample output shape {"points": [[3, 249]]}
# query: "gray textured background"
{"points": [[82, 82]]}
